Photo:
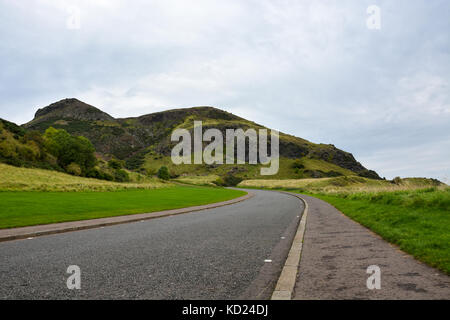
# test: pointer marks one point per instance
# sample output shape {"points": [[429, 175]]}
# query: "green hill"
{"points": [[144, 142], [20, 147]]}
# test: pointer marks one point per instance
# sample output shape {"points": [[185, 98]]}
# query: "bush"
{"points": [[115, 164], [298, 165], [34, 136], [163, 173], [121, 176], [74, 169], [98, 174], [333, 174], [228, 181], [219, 182]]}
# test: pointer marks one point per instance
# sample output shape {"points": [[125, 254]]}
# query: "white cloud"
{"points": [[308, 68]]}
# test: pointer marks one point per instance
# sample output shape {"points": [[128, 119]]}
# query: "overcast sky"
{"points": [[308, 68]]}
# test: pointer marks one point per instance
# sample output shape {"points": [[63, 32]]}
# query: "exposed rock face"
{"points": [[71, 109], [132, 138]]}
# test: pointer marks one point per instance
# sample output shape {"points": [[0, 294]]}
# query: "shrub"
{"points": [[228, 181], [298, 165], [115, 164], [333, 174], [34, 136], [98, 174], [121, 176], [219, 182], [163, 173], [74, 169]]}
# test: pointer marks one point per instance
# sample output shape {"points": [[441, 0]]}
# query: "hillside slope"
{"points": [[20, 147], [144, 142], [31, 179]]}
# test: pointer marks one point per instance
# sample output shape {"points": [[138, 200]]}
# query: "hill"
{"points": [[20, 147], [144, 142]]}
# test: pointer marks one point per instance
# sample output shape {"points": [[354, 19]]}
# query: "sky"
{"points": [[373, 82]]}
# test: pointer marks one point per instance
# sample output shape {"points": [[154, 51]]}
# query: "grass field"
{"points": [[24, 179], [20, 209]]}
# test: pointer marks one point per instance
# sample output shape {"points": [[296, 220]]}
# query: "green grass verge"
{"points": [[20, 209], [417, 221]]}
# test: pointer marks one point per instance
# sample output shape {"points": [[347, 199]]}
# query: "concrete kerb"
{"points": [[286, 282]]}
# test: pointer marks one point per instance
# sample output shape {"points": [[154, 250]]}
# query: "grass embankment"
{"points": [[341, 184], [20, 209], [414, 213], [207, 180], [24, 179]]}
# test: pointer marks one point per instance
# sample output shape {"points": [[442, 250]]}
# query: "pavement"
{"points": [[229, 252], [337, 252]]}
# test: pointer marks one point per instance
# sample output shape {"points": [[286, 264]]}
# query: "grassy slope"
{"points": [[246, 171], [418, 221], [24, 179], [33, 208], [341, 184]]}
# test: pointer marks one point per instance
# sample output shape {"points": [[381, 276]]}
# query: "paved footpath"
{"points": [[337, 252]]}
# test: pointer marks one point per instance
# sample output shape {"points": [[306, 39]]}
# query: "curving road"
{"points": [[211, 254]]}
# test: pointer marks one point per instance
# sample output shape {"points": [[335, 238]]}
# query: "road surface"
{"points": [[212, 254], [218, 253]]}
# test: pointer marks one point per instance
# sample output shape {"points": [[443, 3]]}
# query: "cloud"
{"points": [[308, 68]]}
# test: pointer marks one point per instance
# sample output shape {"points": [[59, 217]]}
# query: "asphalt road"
{"points": [[212, 254]]}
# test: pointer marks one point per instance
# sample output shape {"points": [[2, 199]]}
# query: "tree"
{"points": [[69, 149], [163, 173], [121, 176]]}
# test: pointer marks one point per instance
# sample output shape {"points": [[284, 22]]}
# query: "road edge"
{"points": [[284, 289], [63, 227]]}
